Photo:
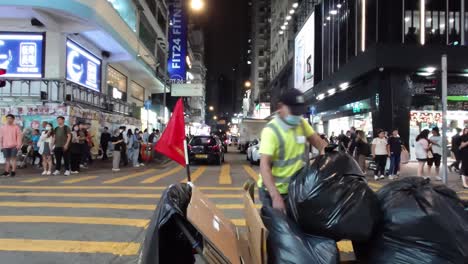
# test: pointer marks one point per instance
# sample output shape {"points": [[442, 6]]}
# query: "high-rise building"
{"points": [[282, 32], [259, 54], [94, 60], [197, 73], [377, 64]]}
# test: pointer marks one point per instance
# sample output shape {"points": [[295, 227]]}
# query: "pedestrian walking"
{"points": [[362, 150], [117, 141], [123, 149], [343, 141], [141, 149], [456, 142], [62, 143], [46, 145], [464, 158], [10, 143], [104, 142], [284, 149], [394, 148], [380, 154], [77, 147], [146, 136], [436, 148], [35, 140], [352, 141], [421, 150]]}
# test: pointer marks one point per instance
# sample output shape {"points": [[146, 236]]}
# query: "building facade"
{"points": [[282, 32], [197, 74], [97, 61], [377, 65], [259, 54]]}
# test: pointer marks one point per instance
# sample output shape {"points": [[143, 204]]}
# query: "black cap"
{"points": [[295, 100]]}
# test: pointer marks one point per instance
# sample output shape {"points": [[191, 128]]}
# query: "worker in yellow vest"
{"points": [[284, 149]]}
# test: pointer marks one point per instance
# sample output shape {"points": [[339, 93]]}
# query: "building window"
{"points": [[147, 34], [117, 84], [137, 91], [411, 21], [127, 11], [152, 6], [162, 21]]}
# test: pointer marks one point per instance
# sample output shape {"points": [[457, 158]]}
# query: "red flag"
{"points": [[171, 143]]}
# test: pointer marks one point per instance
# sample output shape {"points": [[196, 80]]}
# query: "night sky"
{"points": [[227, 26]]}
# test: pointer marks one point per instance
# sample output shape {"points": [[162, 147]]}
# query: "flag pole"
{"points": [[187, 162]]}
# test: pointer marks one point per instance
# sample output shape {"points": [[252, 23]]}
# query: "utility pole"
{"points": [[444, 171]]}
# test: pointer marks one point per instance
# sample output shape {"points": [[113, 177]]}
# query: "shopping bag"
{"points": [[405, 157]]}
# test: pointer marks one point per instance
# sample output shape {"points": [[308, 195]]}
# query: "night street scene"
{"points": [[233, 131]]}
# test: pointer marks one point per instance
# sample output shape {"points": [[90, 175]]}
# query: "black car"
{"points": [[206, 148]]}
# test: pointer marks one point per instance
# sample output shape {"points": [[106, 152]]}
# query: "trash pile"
{"points": [[409, 221]]}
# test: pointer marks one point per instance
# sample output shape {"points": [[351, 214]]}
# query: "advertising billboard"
{"points": [[22, 54], [304, 56], [177, 41], [83, 67]]}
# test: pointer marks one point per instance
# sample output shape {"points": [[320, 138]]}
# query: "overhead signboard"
{"points": [[304, 56], [22, 54], [187, 90], [177, 41], [83, 67]]}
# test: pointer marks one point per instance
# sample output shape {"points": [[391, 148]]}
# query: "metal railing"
{"points": [[60, 90]]}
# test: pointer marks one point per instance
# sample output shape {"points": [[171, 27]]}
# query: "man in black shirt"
{"points": [[105, 138], [456, 141], [394, 147]]}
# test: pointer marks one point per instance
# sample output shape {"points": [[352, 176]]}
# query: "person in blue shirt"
{"points": [[35, 139]]}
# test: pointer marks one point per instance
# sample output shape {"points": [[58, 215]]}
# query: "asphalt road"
{"points": [[100, 216]]}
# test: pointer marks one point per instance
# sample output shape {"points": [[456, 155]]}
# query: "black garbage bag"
{"points": [[422, 223], [331, 198], [286, 243], [164, 241]]}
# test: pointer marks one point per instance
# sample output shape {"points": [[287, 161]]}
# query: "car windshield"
{"points": [[197, 141]]}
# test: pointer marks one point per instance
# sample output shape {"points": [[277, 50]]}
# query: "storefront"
{"points": [[116, 84], [356, 114]]}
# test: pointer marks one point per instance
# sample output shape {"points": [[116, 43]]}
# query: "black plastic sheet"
{"points": [[331, 198], [164, 241], [422, 223], [287, 244]]}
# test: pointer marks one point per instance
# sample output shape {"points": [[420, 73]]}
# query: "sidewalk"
{"points": [[410, 169], [97, 167]]}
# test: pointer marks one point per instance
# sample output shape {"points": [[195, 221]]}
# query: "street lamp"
{"points": [[211, 108], [215, 118], [247, 84], [197, 5]]}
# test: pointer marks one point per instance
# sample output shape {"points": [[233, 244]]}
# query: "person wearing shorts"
{"points": [[436, 148], [421, 149], [10, 142]]}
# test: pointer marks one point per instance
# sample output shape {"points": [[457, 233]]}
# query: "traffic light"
{"points": [[2, 82]]}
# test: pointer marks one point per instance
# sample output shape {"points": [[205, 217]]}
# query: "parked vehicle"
{"points": [[253, 152], [207, 149], [250, 129]]}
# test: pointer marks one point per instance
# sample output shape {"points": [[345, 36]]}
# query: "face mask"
{"points": [[77, 129], [48, 128], [293, 120]]}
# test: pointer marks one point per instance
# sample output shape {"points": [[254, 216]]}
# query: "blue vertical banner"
{"points": [[177, 67]]}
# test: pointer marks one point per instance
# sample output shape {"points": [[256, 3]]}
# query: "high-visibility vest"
{"points": [[291, 157]]}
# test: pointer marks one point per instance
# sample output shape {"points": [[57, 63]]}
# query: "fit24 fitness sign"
{"points": [[177, 41], [22, 55]]}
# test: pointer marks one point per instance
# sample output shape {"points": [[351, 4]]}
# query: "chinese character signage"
{"points": [[83, 67], [177, 41], [22, 54]]}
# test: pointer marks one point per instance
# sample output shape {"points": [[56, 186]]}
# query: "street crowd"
{"points": [[388, 152], [53, 147]]}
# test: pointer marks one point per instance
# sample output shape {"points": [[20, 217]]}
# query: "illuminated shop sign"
{"points": [[22, 55], [83, 67], [177, 41], [304, 56]]}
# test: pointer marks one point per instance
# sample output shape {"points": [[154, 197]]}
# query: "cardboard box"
{"points": [[222, 241]]}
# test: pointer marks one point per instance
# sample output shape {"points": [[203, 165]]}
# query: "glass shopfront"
{"points": [[117, 84]]}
